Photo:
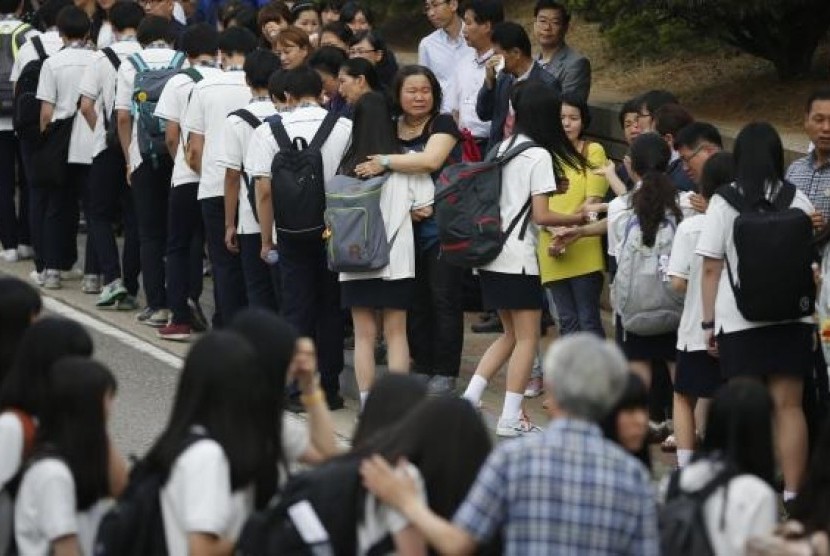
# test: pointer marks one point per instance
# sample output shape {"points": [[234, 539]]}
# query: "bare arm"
{"points": [[125, 132], [712, 269], [172, 134], [232, 178], [47, 110], [434, 155], [679, 284], [609, 172], [206, 544], [266, 213], [320, 424], [410, 542], [543, 216], [66, 546], [193, 152], [87, 110]]}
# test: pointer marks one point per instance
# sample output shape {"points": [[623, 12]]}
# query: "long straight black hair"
{"points": [[19, 305], [222, 389], [73, 426], [650, 156], [392, 398], [759, 161], [373, 131], [538, 116]]}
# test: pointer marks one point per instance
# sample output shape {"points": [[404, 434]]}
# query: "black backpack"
{"points": [[468, 209], [298, 190], [248, 117], [333, 491], [110, 124], [682, 524], [774, 243], [26, 117], [135, 525]]}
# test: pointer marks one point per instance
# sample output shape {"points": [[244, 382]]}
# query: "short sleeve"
{"points": [[484, 511], [47, 89], [597, 185], [682, 254], [616, 211], [712, 241], [444, 123], [193, 119], [295, 438], [205, 488], [11, 439], [124, 87], [261, 150], [231, 155], [169, 106], [54, 499], [90, 84], [542, 178]]}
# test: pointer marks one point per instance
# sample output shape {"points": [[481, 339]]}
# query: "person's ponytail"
{"points": [[656, 196]]}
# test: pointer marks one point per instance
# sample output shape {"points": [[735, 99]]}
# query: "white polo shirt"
{"points": [[213, 99], [58, 85], [237, 135], [462, 93], [686, 264], [441, 53], [301, 122], [98, 84], [527, 175], [52, 42], [154, 57], [716, 241], [171, 107]]}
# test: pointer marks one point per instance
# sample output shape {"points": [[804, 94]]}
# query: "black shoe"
{"points": [[198, 320], [380, 352], [294, 405], [490, 326], [334, 401]]}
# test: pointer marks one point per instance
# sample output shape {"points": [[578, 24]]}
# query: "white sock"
{"points": [[789, 495], [684, 457], [363, 396], [512, 406], [475, 389]]}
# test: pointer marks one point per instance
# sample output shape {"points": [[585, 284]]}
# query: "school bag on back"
{"points": [[641, 290], [26, 117], [355, 230], [298, 190], [248, 117], [774, 279], [468, 209], [148, 85], [12, 37]]}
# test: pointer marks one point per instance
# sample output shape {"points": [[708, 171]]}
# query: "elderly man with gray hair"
{"points": [[566, 491]]}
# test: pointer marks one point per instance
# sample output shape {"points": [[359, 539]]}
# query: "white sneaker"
{"points": [[52, 280], [535, 388], [9, 255], [74, 274], [38, 278], [511, 428], [25, 252]]}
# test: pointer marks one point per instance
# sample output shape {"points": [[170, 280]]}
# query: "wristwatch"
{"points": [[708, 325], [384, 161]]}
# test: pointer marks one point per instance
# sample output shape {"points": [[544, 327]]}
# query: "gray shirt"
{"points": [[571, 69]]}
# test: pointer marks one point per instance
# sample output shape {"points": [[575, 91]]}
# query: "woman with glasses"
{"points": [[370, 46]]}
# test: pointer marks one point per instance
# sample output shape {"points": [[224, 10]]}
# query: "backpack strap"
{"points": [[247, 116], [138, 63], [177, 61], [19, 37], [112, 57], [324, 131], [38, 44], [512, 152], [283, 140], [193, 74], [524, 213], [785, 196]]}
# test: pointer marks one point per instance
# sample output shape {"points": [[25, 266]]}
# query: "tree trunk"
{"points": [[795, 61]]}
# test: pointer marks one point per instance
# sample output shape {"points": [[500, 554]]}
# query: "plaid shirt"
{"points": [[567, 491], [814, 182]]}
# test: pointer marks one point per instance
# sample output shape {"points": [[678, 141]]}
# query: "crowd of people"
{"points": [[283, 149]]}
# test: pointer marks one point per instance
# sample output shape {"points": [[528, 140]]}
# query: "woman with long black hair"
{"points": [[65, 490], [20, 305], [223, 411]]}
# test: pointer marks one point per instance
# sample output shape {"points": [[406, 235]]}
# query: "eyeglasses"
{"points": [[642, 116], [434, 6], [361, 51], [694, 153], [544, 22]]}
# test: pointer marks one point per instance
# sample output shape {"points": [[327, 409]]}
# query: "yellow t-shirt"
{"points": [[585, 255]]}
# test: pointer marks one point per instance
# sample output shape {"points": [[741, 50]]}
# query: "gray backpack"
{"points": [[641, 292], [354, 225], [12, 37], [147, 88]]}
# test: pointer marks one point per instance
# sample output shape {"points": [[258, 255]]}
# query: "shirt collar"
{"points": [[527, 73], [480, 61], [449, 40], [558, 56]]}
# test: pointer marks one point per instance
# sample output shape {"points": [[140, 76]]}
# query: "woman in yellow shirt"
{"points": [[575, 276]]}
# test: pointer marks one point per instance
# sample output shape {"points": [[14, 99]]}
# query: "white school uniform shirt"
{"points": [[462, 93], [58, 84], [441, 53], [197, 497], [686, 264], [303, 122], [106, 36], [98, 84], [52, 42], [236, 137], [213, 99], [527, 175], [154, 57], [401, 194], [7, 26], [171, 106], [11, 439], [716, 241], [45, 510]]}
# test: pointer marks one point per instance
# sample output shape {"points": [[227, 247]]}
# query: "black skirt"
{"points": [[377, 293], [500, 290], [698, 374], [646, 348], [780, 349]]}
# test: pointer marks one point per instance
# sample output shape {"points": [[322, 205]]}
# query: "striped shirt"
{"points": [[813, 181], [567, 491]]}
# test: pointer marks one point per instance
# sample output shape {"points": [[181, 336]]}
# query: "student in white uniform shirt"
{"points": [[185, 238], [218, 450], [149, 181], [242, 231], [68, 486], [109, 193], [213, 99], [511, 283], [58, 92], [310, 292]]}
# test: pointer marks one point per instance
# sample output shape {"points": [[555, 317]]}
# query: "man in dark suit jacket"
{"points": [[572, 69], [512, 45]]}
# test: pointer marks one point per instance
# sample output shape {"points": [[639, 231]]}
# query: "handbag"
{"points": [[52, 154]]}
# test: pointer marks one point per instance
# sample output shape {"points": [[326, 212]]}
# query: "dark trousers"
{"points": [[14, 223], [109, 199], [311, 303], [151, 188], [435, 323], [228, 280], [60, 232], [577, 303], [37, 205], [262, 281], [185, 239]]}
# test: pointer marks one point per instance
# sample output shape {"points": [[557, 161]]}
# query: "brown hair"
{"points": [[273, 11], [294, 36]]}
